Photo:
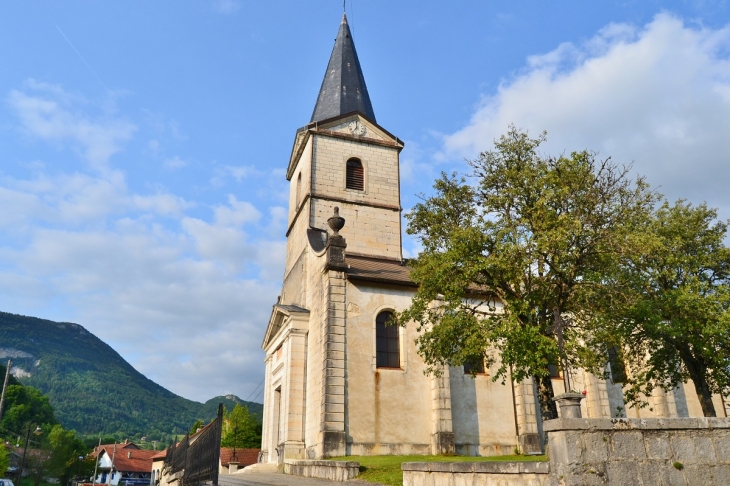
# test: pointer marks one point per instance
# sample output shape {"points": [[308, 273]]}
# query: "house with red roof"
{"points": [[123, 464], [232, 459], [158, 464]]}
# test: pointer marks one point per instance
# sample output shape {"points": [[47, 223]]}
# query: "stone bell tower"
{"points": [[344, 158], [343, 166]]}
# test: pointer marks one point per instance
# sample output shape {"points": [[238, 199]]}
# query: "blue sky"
{"points": [[143, 144]]}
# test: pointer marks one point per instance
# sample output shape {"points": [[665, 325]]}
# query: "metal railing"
{"points": [[197, 457]]}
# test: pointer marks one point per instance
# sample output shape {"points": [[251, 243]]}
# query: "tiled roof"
{"points": [[343, 88], [244, 457], [378, 270], [110, 448], [160, 455], [140, 460], [291, 308]]}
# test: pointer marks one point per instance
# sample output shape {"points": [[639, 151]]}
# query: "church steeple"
{"points": [[343, 88]]}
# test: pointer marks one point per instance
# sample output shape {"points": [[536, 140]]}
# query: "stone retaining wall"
{"points": [[333, 470], [656, 452], [475, 473]]}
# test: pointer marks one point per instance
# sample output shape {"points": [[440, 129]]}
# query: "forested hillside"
{"points": [[91, 387]]}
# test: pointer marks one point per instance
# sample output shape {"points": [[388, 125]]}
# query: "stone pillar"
{"points": [[528, 438], [293, 437], [232, 467], [333, 438], [267, 448], [442, 432]]}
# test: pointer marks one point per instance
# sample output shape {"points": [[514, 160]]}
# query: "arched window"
{"points": [[299, 189], [355, 175], [387, 342]]}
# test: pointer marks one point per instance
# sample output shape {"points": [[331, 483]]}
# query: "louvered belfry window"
{"points": [[355, 175], [386, 342]]}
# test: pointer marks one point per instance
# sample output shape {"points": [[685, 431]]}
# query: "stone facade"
{"points": [[649, 452], [332, 470], [476, 474], [605, 452], [325, 396]]}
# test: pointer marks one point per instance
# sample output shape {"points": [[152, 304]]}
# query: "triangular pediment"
{"points": [[351, 126], [281, 318], [358, 126]]}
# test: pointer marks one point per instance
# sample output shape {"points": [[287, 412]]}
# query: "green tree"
{"points": [[197, 425], [4, 460], [677, 319], [25, 405], [515, 259], [241, 429], [66, 448]]}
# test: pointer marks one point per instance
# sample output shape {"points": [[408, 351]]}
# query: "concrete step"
{"points": [[258, 468]]}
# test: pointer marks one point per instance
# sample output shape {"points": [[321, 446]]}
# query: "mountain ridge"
{"points": [[92, 388]]}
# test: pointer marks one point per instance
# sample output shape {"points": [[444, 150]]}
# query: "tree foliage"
{"points": [[4, 460], [53, 452], [66, 449], [24, 405], [241, 429], [197, 425], [514, 257], [675, 321]]}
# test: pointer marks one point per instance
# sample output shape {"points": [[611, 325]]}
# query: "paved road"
{"points": [[282, 480]]}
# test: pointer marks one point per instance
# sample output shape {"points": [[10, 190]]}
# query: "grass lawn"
{"points": [[29, 482], [386, 469]]}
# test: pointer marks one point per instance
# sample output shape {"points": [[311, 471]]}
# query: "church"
{"points": [[338, 381]]}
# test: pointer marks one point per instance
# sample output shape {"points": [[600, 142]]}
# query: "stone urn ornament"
{"points": [[569, 404], [336, 222], [336, 243]]}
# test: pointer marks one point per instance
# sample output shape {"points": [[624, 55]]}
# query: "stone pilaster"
{"points": [[659, 403], [596, 401], [332, 429], [528, 437], [442, 432], [268, 414], [296, 389]]}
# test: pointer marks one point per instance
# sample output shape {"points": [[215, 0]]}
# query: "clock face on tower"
{"points": [[357, 128]]}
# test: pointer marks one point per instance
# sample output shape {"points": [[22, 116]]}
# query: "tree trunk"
{"points": [[545, 395], [697, 373]]}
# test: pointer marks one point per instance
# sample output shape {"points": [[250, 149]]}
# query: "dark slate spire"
{"points": [[343, 88]]}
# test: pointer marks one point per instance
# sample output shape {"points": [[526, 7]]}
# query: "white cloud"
{"points": [[49, 113], [175, 162], [162, 204], [153, 146], [225, 173], [239, 172], [657, 95], [169, 290], [195, 295], [150, 294], [226, 6], [237, 213]]}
